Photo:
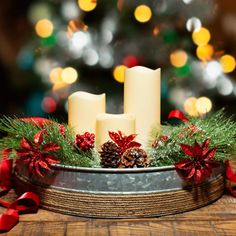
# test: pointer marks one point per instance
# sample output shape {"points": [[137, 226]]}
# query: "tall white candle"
{"points": [[113, 122], [83, 108], [142, 97]]}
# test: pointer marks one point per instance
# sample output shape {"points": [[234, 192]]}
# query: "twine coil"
{"points": [[123, 205]]}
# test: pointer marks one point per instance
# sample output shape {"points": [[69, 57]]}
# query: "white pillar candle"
{"points": [[113, 122], [142, 97], [82, 111]]}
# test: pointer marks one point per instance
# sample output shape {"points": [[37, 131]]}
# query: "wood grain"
{"points": [[218, 218]]}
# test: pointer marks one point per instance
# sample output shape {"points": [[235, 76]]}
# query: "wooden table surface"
{"points": [[218, 218]]}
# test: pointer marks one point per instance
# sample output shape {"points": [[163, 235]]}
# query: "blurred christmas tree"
{"points": [[87, 44]]}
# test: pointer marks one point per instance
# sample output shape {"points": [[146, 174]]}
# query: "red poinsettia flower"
{"points": [[200, 165], [37, 155], [124, 142]]}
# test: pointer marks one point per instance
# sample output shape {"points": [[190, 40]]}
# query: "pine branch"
{"points": [[220, 129], [68, 154], [16, 130]]}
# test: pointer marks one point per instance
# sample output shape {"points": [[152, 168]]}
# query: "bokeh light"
{"points": [[49, 41], [130, 61], [106, 58], [75, 26], [142, 13], [156, 31], [193, 24], [201, 36], [178, 58], [69, 75], [187, 1], [69, 10], [55, 75], [87, 5], [39, 10], [49, 104], [203, 105], [90, 57], [228, 63], [80, 39], [25, 59], [119, 73], [205, 52], [225, 86], [59, 86], [44, 28], [213, 69], [190, 106]]}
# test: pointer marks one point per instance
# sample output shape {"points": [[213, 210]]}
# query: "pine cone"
{"points": [[110, 155], [134, 157]]}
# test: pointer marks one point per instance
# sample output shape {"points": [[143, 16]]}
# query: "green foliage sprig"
{"points": [[68, 154], [220, 129]]}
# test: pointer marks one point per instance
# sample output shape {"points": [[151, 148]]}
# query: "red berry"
{"points": [[85, 141]]}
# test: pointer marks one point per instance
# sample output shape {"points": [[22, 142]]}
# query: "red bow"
{"points": [[231, 177], [5, 172], [27, 202], [177, 114]]}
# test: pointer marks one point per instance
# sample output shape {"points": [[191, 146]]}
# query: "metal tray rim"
{"points": [[112, 170]]}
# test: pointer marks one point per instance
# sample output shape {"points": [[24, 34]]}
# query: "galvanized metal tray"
{"points": [[119, 193]]}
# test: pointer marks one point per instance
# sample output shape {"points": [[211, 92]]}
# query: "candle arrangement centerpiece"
{"points": [[121, 165]]}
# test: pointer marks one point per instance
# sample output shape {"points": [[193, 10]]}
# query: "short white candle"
{"points": [[113, 122], [83, 108], [142, 96]]}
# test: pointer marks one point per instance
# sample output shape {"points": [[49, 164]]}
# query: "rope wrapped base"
{"points": [[124, 205]]}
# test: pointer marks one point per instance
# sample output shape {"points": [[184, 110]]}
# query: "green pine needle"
{"points": [[68, 154], [220, 129]]}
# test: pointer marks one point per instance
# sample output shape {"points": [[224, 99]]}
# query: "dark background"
{"points": [[22, 89]]}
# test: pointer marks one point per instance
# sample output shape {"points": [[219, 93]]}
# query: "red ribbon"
{"points": [[28, 202], [231, 177], [37, 121], [177, 114], [5, 172]]}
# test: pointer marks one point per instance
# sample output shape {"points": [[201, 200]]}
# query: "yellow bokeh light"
{"points": [[59, 86], [190, 106], [69, 75], [156, 31], [55, 75], [87, 5], [44, 28], [119, 73], [203, 105], [178, 58], [205, 52], [228, 63], [75, 26], [143, 13], [201, 36]]}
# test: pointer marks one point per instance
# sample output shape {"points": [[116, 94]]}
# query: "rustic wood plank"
{"points": [[218, 218], [190, 228], [225, 227]]}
